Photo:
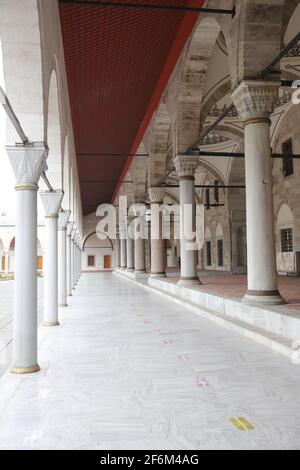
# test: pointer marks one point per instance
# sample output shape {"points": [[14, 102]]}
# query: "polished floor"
{"points": [[129, 369]]}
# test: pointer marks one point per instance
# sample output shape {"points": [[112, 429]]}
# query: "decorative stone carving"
{"points": [[51, 201], [186, 165], [156, 195], [255, 99], [215, 111], [28, 161], [213, 139], [63, 219]]}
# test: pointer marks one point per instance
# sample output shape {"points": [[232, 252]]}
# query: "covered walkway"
{"points": [[130, 370]]}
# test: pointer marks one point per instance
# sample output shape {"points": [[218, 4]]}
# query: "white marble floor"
{"points": [[130, 370]]}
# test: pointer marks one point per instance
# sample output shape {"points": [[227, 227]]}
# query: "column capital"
{"points": [[254, 99], [186, 166], [63, 219], [70, 228], [28, 162], [156, 195], [73, 232], [51, 201]]}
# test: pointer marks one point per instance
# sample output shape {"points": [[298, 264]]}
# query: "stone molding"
{"points": [[255, 99], [51, 201], [186, 165], [28, 162]]}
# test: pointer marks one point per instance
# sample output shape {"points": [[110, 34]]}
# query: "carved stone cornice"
{"points": [[156, 195], [63, 219], [255, 99], [51, 202], [28, 162], [186, 166]]}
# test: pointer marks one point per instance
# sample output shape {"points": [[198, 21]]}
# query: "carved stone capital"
{"points": [[74, 232], [156, 195], [63, 219], [70, 228], [186, 166], [51, 201], [28, 162], [255, 99]]}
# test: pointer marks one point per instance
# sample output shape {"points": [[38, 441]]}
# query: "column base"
{"points": [[157, 275], [185, 282], [254, 297], [130, 270], [47, 324], [25, 370]]}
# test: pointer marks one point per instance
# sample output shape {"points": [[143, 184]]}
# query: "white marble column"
{"points": [[123, 248], [117, 252], [186, 167], [27, 162], [69, 259], [139, 256], [63, 219], [130, 252], [51, 201], [255, 102], [158, 245], [73, 261]]}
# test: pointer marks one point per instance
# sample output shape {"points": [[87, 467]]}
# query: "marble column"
{"points": [[73, 236], [69, 259], [51, 201], [28, 162], [139, 256], [117, 253], [158, 245], [130, 251], [255, 102], [186, 167], [123, 249], [63, 219]]}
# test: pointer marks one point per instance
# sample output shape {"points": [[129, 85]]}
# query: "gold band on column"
{"points": [[258, 120], [49, 324], [25, 370]]}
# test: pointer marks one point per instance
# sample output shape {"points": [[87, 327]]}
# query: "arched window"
{"points": [[220, 246], [285, 229], [208, 248]]}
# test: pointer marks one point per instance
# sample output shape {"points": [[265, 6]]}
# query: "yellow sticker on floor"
{"points": [[242, 424]]}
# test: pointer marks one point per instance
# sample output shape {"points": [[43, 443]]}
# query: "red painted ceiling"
{"points": [[118, 64]]}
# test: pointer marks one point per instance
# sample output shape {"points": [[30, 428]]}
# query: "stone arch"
{"points": [[2, 256], [66, 174], [160, 137], [54, 134], [192, 86], [100, 251], [20, 35], [91, 235]]}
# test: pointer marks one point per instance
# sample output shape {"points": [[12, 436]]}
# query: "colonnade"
{"points": [[62, 254], [254, 101]]}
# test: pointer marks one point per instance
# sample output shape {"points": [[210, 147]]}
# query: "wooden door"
{"points": [[40, 263], [107, 262], [3, 263]]}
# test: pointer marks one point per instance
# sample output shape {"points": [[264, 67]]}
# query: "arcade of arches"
{"points": [[146, 344]]}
